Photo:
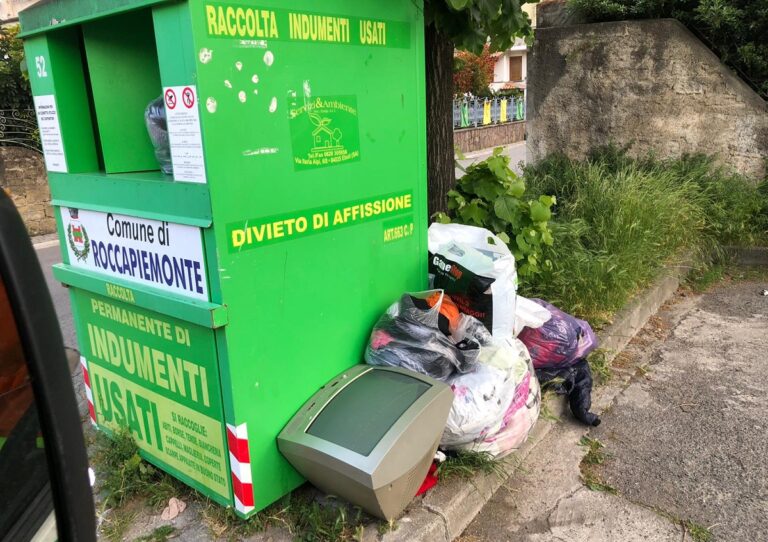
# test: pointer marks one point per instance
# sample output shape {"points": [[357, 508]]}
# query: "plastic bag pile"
{"points": [[496, 395], [425, 333], [489, 344], [559, 347]]}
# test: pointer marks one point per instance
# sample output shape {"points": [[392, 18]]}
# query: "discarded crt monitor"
{"points": [[369, 436]]}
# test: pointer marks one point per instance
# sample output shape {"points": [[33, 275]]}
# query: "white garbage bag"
{"points": [[483, 397], [477, 270], [528, 313]]}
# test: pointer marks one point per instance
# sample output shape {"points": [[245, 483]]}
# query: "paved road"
{"points": [[48, 253], [686, 441], [515, 151]]}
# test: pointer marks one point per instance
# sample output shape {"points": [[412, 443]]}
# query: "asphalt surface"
{"points": [[693, 440], [515, 151], [684, 443], [48, 253]]}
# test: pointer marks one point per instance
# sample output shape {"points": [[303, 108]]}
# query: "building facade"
{"points": [[511, 68]]}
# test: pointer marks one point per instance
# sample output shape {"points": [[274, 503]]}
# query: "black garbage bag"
{"points": [[576, 383], [409, 335]]}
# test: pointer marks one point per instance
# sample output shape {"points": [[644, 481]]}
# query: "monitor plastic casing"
{"points": [[386, 480]]}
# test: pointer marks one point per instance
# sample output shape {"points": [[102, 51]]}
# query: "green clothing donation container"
{"points": [[211, 303]]}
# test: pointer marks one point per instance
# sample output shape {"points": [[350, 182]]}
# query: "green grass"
{"points": [[117, 524], [596, 454], [545, 412], [600, 366], [463, 464], [595, 483], [122, 474], [698, 533], [702, 279], [619, 220], [306, 519], [124, 477], [161, 534]]}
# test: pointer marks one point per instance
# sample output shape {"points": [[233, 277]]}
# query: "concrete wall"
{"points": [[23, 176], [652, 83], [9, 9], [485, 137]]}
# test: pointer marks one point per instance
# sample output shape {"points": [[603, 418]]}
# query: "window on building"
{"points": [[516, 68]]}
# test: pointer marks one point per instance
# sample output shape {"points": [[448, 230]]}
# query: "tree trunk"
{"points": [[440, 166]]}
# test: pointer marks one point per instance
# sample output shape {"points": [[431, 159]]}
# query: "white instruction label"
{"points": [[181, 110], [50, 133]]}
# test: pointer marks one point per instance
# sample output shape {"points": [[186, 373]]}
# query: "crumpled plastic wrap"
{"points": [[561, 341], [497, 404], [519, 419], [157, 126], [410, 335]]}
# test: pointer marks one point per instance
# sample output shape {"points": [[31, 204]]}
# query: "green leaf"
{"points": [[499, 167], [458, 5], [488, 190], [524, 247], [540, 212], [546, 238], [495, 224], [508, 208], [548, 201], [503, 236], [517, 187], [441, 218], [455, 200], [474, 213]]}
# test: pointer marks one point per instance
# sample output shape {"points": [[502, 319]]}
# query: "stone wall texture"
{"points": [[23, 176], [651, 84], [485, 137]]}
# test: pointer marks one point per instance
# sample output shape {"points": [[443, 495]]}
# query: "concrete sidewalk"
{"points": [[684, 444], [515, 151]]}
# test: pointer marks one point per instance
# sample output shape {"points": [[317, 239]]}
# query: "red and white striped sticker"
{"points": [[88, 392], [240, 464]]}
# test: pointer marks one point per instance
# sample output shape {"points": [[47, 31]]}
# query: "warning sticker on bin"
{"points": [[184, 134]]}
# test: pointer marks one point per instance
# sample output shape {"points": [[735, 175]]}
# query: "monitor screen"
{"points": [[361, 413]]}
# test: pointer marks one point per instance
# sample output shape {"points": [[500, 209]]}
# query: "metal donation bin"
{"points": [[211, 303]]}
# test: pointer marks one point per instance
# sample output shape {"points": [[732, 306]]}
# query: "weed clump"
{"points": [[698, 533], [301, 514], [122, 474], [465, 464], [600, 366], [595, 456], [618, 220]]}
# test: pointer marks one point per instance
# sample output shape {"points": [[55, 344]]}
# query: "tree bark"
{"points": [[440, 164]]}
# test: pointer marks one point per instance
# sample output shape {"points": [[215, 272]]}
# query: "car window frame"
{"points": [[43, 347]]}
